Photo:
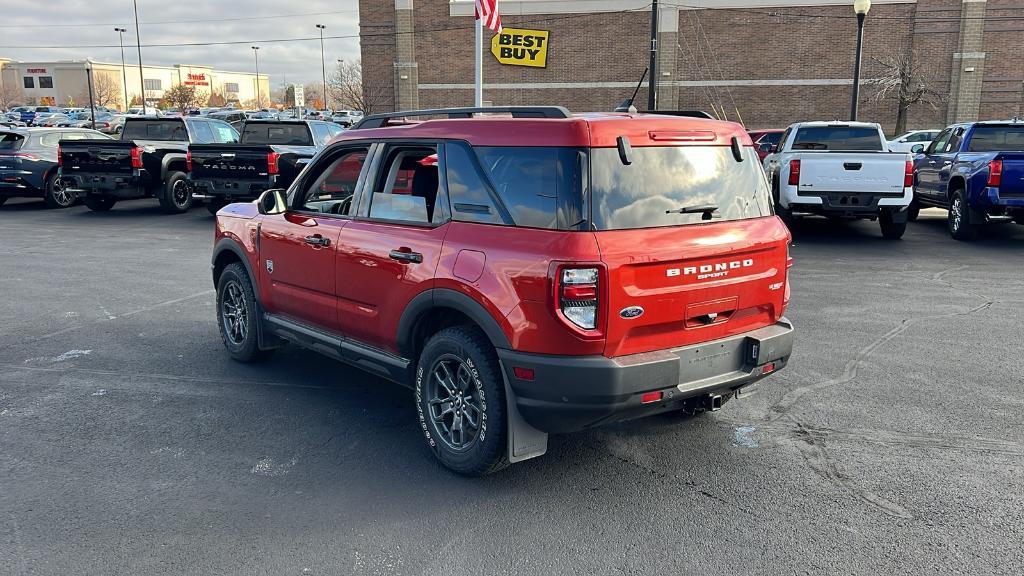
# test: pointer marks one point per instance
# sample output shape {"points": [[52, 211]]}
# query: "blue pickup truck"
{"points": [[974, 170]]}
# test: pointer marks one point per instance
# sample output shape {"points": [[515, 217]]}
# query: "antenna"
{"points": [[627, 104]]}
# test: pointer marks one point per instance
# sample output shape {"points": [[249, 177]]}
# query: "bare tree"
{"points": [[106, 90], [313, 94], [10, 95], [901, 78], [184, 97], [348, 88]]}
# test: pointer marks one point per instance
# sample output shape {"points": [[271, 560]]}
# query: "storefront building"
{"points": [[766, 63]]}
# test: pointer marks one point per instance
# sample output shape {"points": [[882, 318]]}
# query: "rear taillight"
{"points": [[995, 173], [272, 158], [60, 156], [136, 157], [794, 172], [578, 296], [908, 175], [188, 161]]}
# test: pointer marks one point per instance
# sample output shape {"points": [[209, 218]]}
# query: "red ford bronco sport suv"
{"points": [[526, 274]]}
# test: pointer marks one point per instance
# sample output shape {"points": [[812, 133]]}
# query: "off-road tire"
{"points": [[488, 451], [55, 193], [782, 212], [891, 230], [959, 218], [235, 295], [99, 203], [914, 210], [175, 198]]}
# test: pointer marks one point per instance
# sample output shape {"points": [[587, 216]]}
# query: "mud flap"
{"points": [[524, 441]]}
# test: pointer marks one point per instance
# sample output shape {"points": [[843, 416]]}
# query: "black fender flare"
{"points": [[433, 298], [228, 244], [165, 164]]}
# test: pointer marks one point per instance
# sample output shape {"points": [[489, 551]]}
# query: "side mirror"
{"points": [[766, 147], [272, 202], [917, 148]]}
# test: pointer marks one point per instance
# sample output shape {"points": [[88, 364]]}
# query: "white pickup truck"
{"points": [[841, 170]]}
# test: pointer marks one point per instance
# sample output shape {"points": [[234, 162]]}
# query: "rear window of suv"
{"points": [[166, 130], [846, 138], [996, 138], [11, 141], [659, 181]]}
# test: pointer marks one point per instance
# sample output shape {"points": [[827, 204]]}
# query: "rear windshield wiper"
{"points": [[704, 209]]}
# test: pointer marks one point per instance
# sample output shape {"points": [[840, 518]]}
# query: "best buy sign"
{"points": [[517, 47]]}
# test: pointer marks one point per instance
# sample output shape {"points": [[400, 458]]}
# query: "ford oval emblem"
{"points": [[631, 312]]}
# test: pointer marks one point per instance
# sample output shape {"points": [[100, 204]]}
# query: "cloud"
{"points": [[23, 25]]}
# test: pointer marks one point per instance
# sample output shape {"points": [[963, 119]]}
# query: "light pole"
{"points": [[860, 7], [92, 101], [138, 43], [256, 53], [323, 66], [124, 73]]}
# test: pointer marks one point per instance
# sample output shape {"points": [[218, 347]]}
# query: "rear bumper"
{"points": [[232, 189], [114, 185], [15, 186], [570, 393], [843, 203], [992, 197]]}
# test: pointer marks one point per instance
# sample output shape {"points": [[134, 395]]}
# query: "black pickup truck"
{"points": [[270, 154], [149, 160]]}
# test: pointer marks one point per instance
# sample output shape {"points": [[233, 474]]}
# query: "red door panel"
{"points": [[297, 266]]}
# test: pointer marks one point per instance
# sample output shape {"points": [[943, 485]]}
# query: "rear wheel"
{"points": [[891, 230], [782, 212], [959, 218], [237, 315], [57, 194], [176, 197], [99, 203], [914, 210], [460, 398]]}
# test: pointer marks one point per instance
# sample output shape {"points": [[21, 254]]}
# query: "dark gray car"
{"points": [[28, 163]]}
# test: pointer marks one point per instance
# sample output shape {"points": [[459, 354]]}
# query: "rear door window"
{"points": [[223, 133], [201, 132], [664, 185], [541, 187], [846, 138], [407, 188], [320, 133]]}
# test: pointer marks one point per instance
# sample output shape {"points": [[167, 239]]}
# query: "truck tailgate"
{"points": [[1012, 181], [229, 161], [864, 172], [96, 156]]}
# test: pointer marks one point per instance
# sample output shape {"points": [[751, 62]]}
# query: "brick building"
{"points": [[767, 62]]}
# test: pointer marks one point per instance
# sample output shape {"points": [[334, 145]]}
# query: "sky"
{"points": [[25, 28]]}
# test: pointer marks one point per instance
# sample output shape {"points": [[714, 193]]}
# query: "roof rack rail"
{"points": [[686, 113], [381, 120]]}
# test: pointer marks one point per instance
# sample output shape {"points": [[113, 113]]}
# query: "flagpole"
{"points": [[478, 100]]}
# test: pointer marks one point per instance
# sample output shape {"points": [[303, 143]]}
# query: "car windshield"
{"points": [[663, 185], [997, 138], [846, 138]]}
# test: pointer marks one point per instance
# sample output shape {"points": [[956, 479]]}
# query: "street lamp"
{"points": [[124, 73], [138, 43], [256, 53], [860, 7], [323, 66]]}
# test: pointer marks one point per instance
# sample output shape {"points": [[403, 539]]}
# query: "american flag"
{"points": [[487, 10]]}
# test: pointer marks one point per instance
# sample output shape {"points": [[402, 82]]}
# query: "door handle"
{"points": [[947, 163], [317, 240], [406, 256]]}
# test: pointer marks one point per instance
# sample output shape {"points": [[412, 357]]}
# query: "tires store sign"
{"points": [[517, 47]]}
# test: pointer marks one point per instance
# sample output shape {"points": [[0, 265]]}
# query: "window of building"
{"points": [[231, 86], [46, 81], [30, 82], [152, 84]]}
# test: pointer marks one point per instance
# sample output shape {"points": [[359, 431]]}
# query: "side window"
{"points": [[331, 192], [782, 139], [406, 190], [201, 132], [540, 187], [469, 195], [224, 133], [334, 129], [954, 141], [940, 141], [321, 135], [50, 140]]}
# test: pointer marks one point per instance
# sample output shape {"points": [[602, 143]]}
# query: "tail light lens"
{"points": [[794, 173], [578, 296], [60, 156], [908, 175], [188, 161], [995, 173], [272, 158], [137, 157]]}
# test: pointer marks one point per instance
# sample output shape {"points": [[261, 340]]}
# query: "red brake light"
{"points": [[995, 173], [908, 175], [794, 173], [272, 167], [136, 157], [649, 397], [60, 156], [523, 373], [188, 161], [577, 294]]}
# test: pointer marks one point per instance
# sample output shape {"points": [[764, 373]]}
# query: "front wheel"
{"points": [[237, 315], [959, 218], [891, 230], [99, 203], [460, 399], [176, 197]]}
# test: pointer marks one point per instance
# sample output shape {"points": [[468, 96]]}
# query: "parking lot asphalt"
{"points": [[130, 444]]}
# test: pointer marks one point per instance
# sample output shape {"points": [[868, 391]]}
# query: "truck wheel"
{"points": [[99, 203], [176, 197], [56, 193], [914, 210], [460, 399], [891, 230], [960, 226], [212, 206], [237, 315], [784, 213]]}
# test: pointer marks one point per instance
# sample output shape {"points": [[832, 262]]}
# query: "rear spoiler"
{"points": [[685, 113]]}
